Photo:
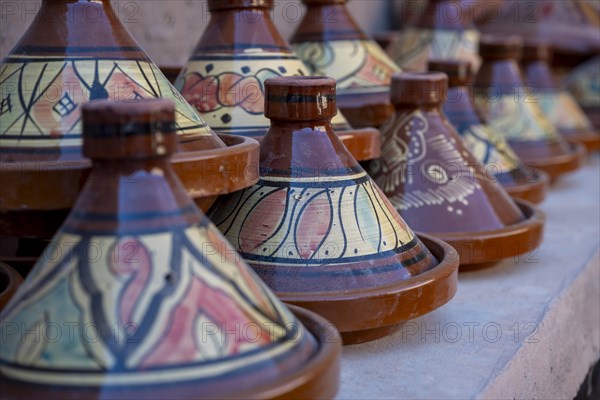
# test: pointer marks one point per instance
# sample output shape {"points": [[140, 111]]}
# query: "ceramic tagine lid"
{"points": [[509, 105], [75, 52], [557, 104], [443, 31], [319, 231], [571, 26], [489, 147], [224, 77], [438, 186], [582, 84], [139, 295], [338, 47]]}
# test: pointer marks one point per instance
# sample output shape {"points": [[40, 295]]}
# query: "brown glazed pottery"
{"points": [[509, 105], [318, 230], [331, 43], [442, 31], [571, 26], [582, 83], [175, 311], [488, 146], [224, 77], [75, 52], [557, 104], [10, 280], [438, 186]]}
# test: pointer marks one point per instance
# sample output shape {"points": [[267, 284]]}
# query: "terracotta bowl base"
{"points": [[10, 280], [555, 167], [317, 379], [205, 174], [479, 250], [353, 312], [363, 144], [533, 191], [591, 140]]}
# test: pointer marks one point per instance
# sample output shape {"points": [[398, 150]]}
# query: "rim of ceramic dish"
{"points": [[533, 190], [319, 377], [395, 303], [589, 139], [510, 241], [10, 280], [235, 166], [364, 144], [562, 164]]}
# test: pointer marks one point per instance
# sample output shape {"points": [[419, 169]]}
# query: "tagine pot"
{"points": [[319, 231], [65, 59], [509, 105], [582, 84], [558, 105], [571, 26], [438, 186], [163, 289], [489, 147], [224, 77], [338, 47], [442, 31], [10, 280]]}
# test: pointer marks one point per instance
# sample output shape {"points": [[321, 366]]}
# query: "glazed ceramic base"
{"points": [[10, 280], [534, 190], [369, 314], [366, 110], [591, 140], [364, 144], [205, 174], [483, 249], [557, 166], [318, 378]]}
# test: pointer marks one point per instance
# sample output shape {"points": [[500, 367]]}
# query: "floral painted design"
{"points": [[41, 100], [171, 306], [357, 65]]}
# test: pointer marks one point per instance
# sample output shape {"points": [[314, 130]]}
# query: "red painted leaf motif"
{"points": [[262, 223], [129, 259], [228, 324], [313, 226]]}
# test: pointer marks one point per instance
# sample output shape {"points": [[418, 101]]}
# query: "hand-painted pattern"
{"points": [[329, 233], [563, 112], [403, 163], [359, 66], [414, 47], [584, 83], [41, 98], [171, 306], [517, 120], [228, 89]]}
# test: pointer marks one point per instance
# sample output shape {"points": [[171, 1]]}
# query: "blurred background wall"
{"points": [[169, 30]]}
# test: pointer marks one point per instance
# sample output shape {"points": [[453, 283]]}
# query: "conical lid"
{"points": [[508, 105], [557, 104], [316, 222], [427, 172], [570, 25], [139, 290], [338, 47], [488, 146], [580, 83], [75, 52], [224, 77], [443, 31]]}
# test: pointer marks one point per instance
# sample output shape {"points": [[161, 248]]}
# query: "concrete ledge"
{"points": [[526, 328]]}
